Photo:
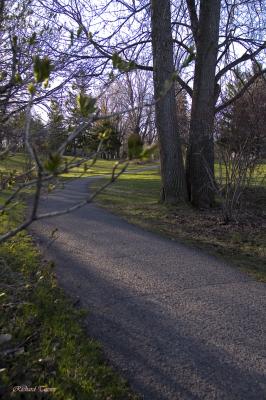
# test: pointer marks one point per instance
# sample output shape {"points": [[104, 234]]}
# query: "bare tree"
{"points": [[121, 37], [172, 168], [201, 153], [219, 49]]}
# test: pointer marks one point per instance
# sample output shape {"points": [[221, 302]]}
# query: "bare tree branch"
{"points": [[245, 57], [250, 82]]}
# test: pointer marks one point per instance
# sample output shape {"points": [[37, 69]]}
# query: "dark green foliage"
{"points": [[107, 132], [135, 146], [57, 129], [53, 163], [32, 39]]}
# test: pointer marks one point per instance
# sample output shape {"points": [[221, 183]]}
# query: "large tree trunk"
{"points": [[172, 168], [2, 7], [200, 159]]}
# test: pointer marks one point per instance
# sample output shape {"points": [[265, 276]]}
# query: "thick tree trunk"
{"points": [[2, 7], [200, 158], [172, 168]]}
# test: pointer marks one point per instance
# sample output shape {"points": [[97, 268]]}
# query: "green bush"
{"points": [[135, 146]]}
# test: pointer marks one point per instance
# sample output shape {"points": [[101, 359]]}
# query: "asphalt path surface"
{"points": [[176, 323]]}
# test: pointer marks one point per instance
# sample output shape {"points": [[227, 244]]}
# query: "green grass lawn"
{"points": [[15, 162], [257, 178], [135, 197], [47, 345], [102, 167]]}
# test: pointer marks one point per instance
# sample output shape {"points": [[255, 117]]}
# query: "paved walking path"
{"points": [[178, 324]]}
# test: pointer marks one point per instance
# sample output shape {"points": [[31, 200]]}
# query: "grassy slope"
{"points": [[135, 197], [49, 347]]}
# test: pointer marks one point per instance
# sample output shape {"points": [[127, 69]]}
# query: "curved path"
{"points": [[178, 324]]}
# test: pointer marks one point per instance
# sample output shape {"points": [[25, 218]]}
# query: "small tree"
{"points": [[57, 130], [240, 145], [106, 131], [135, 146]]}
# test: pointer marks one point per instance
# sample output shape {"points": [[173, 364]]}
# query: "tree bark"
{"points": [[200, 157], [172, 167], [2, 7]]}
